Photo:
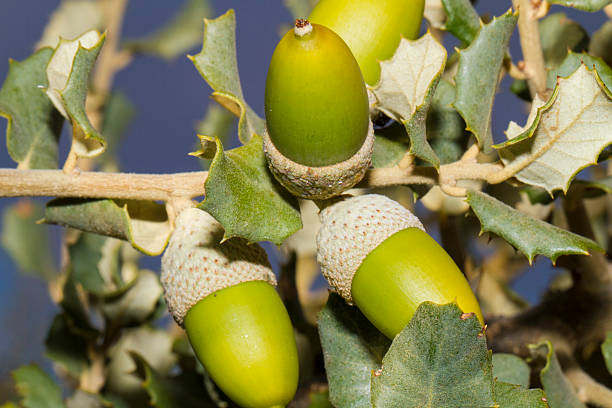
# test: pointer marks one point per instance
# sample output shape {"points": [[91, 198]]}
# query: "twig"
{"points": [[56, 183], [535, 69], [608, 10]]}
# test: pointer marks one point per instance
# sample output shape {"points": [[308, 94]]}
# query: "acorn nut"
{"points": [[319, 136], [377, 255], [371, 28], [223, 295]]}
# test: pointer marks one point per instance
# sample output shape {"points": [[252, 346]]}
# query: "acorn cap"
{"points": [[351, 229], [195, 264], [319, 183]]}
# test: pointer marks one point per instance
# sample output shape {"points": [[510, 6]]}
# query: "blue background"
{"points": [[170, 98]]}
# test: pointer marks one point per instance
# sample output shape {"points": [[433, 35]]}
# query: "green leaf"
{"points": [[218, 66], [179, 35], [586, 5], [166, 392], [558, 34], [26, 241], [85, 256], [389, 146], [606, 350], [563, 135], [601, 43], [320, 399], [72, 18], [144, 224], [352, 348], [514, 396], [66, 347], [477, 76], [462, 19], [76, 312], [405, 94], [440, 359], [137, 303], [511, 369], [34, 125], [527, 234], [244, 197], [445, 127], [118, 114], [559, 391], [68, 75], [36, 388], [218, 122], [573, 61]]}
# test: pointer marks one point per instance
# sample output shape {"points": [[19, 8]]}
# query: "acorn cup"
{"points": [[319, 137], [377, 256], [371, 28], [223, 295]]}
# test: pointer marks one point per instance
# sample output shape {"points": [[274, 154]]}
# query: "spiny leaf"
{"points": [[601, 43], [65, 346], [390, 146], [440, 359], [606, 350], [462, 20], [586, 5], [218, 66], [71, 19], [118, 114], [68, 74], [179, 35], [529, 235], [515, 396], [558, 34], [563, 135], [559, 391], [36, 388], [144, 224], [244, 197], [477, 75], [573, 61], [352, 348], [511, 369], [34, 125], [405, 93], [26, 241]]}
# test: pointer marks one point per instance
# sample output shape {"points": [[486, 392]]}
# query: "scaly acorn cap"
{"points": [[319, 183], [196, 264], [351, 229]]}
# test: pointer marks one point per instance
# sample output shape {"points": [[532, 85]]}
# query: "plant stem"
{"points": [[530, 44], [56, 183]]}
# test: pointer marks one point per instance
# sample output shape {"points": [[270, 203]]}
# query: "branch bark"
{"points": [[533, 56]]}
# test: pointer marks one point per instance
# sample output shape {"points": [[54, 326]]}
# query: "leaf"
{"points": [[514, 396], [26, 241], [606, 350], [68, 74], [84, 399], [118, 114], [559, 391], [71, 19], [405, 94], [65, 347], [352, 348], [136, 304], [299, 8], [563, 135], [36, 388], [388, 150], [168, 392], [463, 21], [244, 197], [558, 34], [511, 369], [34, 126], [527, 234], [601, 43], [320, 399], [586, 5], [217, 123], [153, 345], [144, 224], [445, 127], [573, 61], [440, 359], [218, 66], [476, 79], [179, 35]]}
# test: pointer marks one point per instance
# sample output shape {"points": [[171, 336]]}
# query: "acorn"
{"points": [[376, 255], [224, 295], [319, 137], [371, 28]]}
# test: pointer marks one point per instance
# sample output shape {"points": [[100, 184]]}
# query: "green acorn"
{"points": [[223, 295], [371, 28], [377, 255], [319, 136]]}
